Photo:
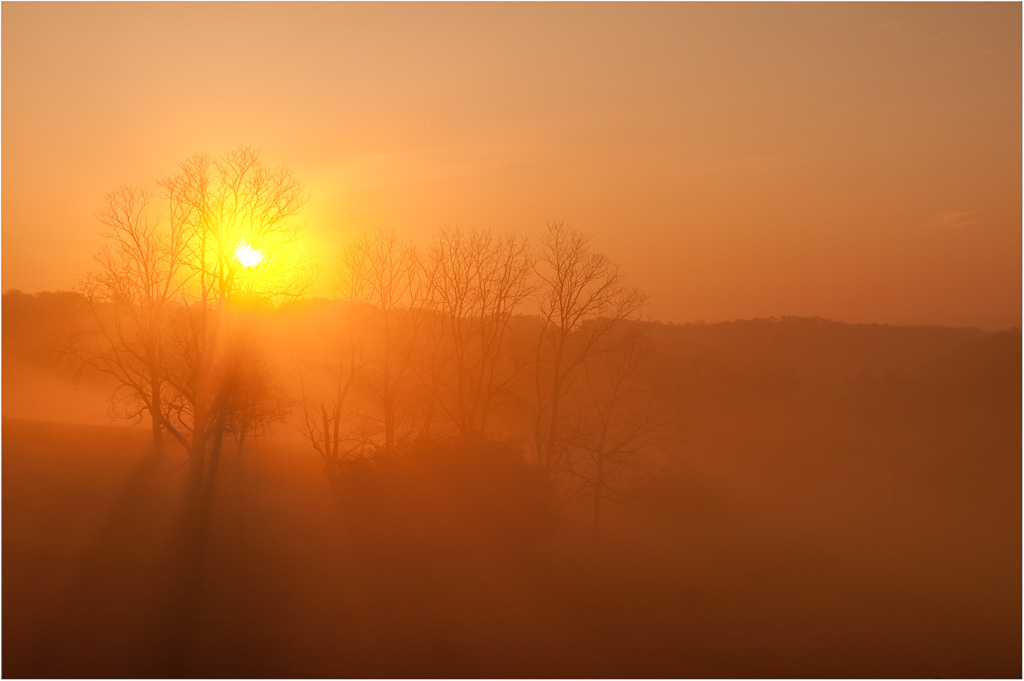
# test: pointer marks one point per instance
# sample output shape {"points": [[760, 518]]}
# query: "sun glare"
{"points": [[247, 255]]}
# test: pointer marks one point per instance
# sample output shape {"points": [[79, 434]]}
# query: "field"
{"points": [[108, 573], [512, 340]]}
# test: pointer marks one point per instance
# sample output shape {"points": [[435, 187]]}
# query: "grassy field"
{"points": [[107, 572]]}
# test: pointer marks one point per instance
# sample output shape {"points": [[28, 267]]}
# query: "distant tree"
{"points": [[880, 398], [622, 415], [322, 419], [583, 298], [383, 278], [259, 395], [476, 283], [460, 496], [122, 331]]}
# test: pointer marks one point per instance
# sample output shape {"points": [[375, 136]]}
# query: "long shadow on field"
{"points": [[181, 584], [98, 627]]}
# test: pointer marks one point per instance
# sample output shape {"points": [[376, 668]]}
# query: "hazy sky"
{"points": [[860, 162]]}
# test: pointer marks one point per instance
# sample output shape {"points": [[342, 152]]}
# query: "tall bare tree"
{"points": [[622, 416], [383, 276], [583, 297], [322, 419], [476, 283], [128, 300], [225, 208]]}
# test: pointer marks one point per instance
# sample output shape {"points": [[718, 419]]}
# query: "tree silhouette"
{"points": [[476, 283], [621, 416], [222, 205], [382, 277], [122, 332], [259, 395], [160, 314], [322, 421], [583, 298]]}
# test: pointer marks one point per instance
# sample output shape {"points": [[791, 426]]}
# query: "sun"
{"points": [[247, 255]]}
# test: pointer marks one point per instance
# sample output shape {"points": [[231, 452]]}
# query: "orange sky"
{"points": [[860, 162]]}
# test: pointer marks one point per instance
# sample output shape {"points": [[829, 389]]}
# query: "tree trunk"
{"points": [[158, 435], [328, 451], [218, 438], [549, 462], [389, 425], [240, 446], [197, 454], [155, 414], [197, 457], [556, 393]]}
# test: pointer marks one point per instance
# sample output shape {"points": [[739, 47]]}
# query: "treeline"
{"points": [[793, 394], [195, 313], [431, 347]]}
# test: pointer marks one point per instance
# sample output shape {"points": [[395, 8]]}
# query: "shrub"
{"points": [[458, 493]]}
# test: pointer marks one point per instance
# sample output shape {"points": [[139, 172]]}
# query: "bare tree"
{"points": [[128, 301], [322, 421], [240, 221], [476, 283], [259, 395], [622, 416], [383, 278], [583, 298]]}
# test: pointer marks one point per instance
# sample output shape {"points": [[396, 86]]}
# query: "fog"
{"points": [[828, 500], [530, 340]]}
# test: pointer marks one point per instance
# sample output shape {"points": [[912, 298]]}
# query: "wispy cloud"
{"points": [[953, 219], [754, 163], [437, 161]]}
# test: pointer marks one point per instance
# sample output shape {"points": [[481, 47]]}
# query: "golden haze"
{"points": [[857, 162]]}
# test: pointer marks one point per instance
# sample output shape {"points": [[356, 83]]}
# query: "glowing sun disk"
{"points": [[247, 255]]}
